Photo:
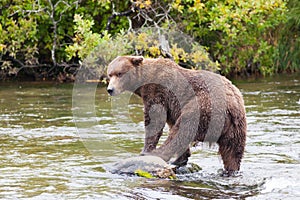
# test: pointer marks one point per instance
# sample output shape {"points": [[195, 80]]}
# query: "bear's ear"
{"points": [[136, 60]]}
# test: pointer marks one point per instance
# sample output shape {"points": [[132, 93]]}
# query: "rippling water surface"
{"points": [[44, 154]]}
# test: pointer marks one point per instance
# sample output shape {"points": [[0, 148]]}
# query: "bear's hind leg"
{"points": [[231, 151]]}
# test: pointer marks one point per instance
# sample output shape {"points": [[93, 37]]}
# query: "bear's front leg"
{"points": [[155, 119], [180, 136], [151, 141], [183, 159]]}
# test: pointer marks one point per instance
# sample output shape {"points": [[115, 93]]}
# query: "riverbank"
{"points": [[70, 76], [50, 41]]}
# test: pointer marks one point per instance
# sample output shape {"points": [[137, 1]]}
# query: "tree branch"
{"points": [[51, 14], [115, 14]]}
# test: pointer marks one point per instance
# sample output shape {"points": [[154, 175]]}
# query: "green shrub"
{"points": [[241, 34], [248, 37], [92, 47], [289, 43], [18, 41]]}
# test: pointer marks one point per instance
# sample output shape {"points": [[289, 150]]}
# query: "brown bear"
{"points": [[197, 105]]}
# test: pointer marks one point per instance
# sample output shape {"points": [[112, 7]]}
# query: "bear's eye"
{"points": [[119, 74]]}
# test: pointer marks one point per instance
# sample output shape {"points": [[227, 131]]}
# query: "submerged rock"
{"points": [[142, 165], [150, 167], [188, 169]]}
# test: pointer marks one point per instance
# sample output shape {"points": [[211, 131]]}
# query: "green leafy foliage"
{"points": [[18, 37], [240, 36], [289, 43], [34, 33], [85, 40], [91, 46]]}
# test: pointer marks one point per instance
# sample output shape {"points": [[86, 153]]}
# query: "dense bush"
{"points": [[45, 38], [289, 43], [18, 37], [242, 35], [149, 42], [34, 34]]}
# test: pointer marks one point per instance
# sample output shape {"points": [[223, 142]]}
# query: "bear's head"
{"points": [[122, 74]]}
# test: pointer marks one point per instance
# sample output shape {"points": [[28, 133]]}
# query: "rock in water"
{"points": [[154, 165]]}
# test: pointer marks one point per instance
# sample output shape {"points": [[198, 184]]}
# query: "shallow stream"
{"points": [[44, 154]]}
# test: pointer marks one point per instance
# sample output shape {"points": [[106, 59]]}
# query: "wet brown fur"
{"points": [[155, 81]]}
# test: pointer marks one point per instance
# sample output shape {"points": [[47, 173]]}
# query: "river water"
{"points": [[51, 148]]}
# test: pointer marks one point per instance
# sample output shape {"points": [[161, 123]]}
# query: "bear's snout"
{"points": [[110, 91]]}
